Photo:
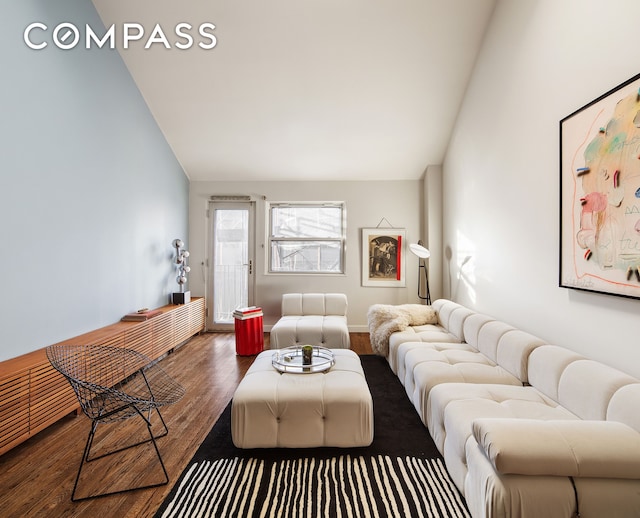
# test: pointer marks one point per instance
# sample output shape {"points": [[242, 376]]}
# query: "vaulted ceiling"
{"points": [[304, 90]]}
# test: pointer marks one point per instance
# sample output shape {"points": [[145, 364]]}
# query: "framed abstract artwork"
{"points": [[600, 194], [383, 257]]}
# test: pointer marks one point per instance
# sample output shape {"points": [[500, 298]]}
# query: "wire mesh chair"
{"points": [[114, 384]]}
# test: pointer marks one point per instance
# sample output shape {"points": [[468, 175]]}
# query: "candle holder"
{"points": [[307, 353]]}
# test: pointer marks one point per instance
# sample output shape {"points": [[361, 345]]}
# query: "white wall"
{"points": [[91, 195], [432, 214], [541, 60], [367, 204]]}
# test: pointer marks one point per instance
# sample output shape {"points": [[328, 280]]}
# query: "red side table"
{"points": [[249, 333]]}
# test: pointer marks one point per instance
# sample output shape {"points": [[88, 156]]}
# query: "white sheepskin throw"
{"points": [[385, 319]]}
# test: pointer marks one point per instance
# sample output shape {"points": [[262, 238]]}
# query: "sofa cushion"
{"points": [[452, 408], [384, 320], [455, 323], [401, 351], [426, 333], [448, 328], [314, 304], [488, 493], [514, 348], [489, 336], [444, 308], [546, 365], [586, 388], [472, 326], [328, 331], [625, 406], [425, 371], [398, 339], [496, 400], [561, 448]]}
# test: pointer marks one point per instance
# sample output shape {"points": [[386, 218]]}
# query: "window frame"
{"points": [[342, 240]]}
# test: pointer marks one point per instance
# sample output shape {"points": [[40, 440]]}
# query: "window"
{"points": [[306, 237]]}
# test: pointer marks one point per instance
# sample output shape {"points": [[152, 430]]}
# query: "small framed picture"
{"points": [[383, 257]]}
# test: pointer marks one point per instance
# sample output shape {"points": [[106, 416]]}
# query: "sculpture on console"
{"points": [[182, 297]]}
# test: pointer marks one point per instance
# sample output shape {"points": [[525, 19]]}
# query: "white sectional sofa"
{"points": [[526, 429]]}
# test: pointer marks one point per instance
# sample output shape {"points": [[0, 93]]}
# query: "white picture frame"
{"points": [[383, 252]]}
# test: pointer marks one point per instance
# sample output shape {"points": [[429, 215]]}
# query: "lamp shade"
{"points": [[419, 250]]}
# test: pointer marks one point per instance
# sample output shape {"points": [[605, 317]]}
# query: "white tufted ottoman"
{"points": [[275, 410], [312, 318]]}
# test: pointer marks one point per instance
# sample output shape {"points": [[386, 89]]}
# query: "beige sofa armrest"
{"points": [[603, 449]]}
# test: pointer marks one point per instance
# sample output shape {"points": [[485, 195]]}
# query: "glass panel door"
{"points": [[232, 266]]}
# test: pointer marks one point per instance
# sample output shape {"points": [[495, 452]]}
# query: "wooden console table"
{"points": [[33, 395]]}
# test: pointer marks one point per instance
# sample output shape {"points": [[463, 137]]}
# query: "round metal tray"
{"points": [[289, 360]]}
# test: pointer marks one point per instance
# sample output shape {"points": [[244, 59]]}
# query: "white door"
{"points": [[231, 269]]}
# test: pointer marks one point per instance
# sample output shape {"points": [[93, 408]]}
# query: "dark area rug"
{"points": [[400, 474]]}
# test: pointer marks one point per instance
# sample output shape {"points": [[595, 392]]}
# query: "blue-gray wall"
{"points": [[91, 195]]}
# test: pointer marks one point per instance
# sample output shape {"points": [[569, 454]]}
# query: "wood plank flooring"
{"points": [[37, 477]]}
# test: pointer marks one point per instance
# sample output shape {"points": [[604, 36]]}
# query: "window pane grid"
{"points": [[306, 238], [312, 222]]}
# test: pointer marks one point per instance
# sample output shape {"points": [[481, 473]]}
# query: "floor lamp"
{"points": [[423, 254]]}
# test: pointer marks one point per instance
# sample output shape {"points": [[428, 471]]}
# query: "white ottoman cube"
{"points": [[271, 409], [314, 319]]}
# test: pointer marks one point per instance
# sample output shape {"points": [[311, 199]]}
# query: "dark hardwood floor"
{"points": [[37, 477]]}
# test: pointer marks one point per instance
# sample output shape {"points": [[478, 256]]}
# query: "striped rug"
{"points": [[341, 486]]}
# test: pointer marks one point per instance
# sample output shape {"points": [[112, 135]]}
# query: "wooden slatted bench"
{"points": [[33, 395]]}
